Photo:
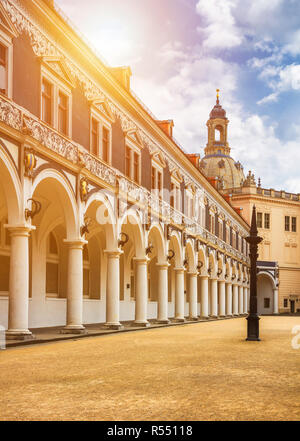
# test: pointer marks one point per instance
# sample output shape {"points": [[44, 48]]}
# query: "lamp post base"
{"points": [[253, 328]]}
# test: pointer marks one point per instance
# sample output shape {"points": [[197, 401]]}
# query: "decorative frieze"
{"points": [[50, 139], [10, 115]]}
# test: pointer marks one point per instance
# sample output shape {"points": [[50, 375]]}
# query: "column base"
{"points": [[19, 335], [178, 320], [222, 316], [73, 330], [229, 315], [163, 322], [215, 317], [193, 319], [140, 324], [114, 326], [205, 317], [236, 315]]}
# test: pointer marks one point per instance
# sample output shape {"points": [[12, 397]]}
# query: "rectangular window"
{"points": [[267, 221], [105, 144], [47, 102], [287, 223], [159, 181], [285, 303], [3, 69], [153, 178], [294, 224], [128, 162], [259, 220], [62, 113], [136, 168], [95, 137], [172, 197], [266, 303]]}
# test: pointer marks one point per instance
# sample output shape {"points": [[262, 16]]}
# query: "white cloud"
{"points": [[221, 30]]}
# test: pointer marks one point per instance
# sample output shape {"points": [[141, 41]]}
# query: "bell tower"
{"points": [[217, 131]]}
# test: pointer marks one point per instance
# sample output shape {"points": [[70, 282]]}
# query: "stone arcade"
{"points": [[104, 218]]}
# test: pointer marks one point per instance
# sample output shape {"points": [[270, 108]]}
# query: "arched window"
{"points": [[219, 134], [52, 267]]}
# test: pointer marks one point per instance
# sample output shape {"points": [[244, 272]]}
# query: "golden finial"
{"points": [[218, 90]]}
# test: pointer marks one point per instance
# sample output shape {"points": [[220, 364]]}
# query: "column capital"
{"points": [[19, 229], [75, 243], [193, 273], [113, 253], [141, 261], [204, 276], [179, 269], [222, 281], [163, 265]]}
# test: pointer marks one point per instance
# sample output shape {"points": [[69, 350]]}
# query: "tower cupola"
{"points": [[217, 162], [217, 131]]}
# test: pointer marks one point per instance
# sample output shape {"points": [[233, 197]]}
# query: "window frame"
{"points": [[7, 42], [102, 123], [130, 146], [294, 224], [58, 86], [175, 185]]}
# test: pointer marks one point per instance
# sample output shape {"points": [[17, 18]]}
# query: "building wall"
{"points": [[278, 245]]}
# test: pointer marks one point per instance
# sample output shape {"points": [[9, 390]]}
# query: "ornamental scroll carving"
{"points": [[10, 115], [99, 169], [50, 139]]}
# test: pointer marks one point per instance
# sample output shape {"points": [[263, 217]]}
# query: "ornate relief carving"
{"points": [[10, 115], [50, 139], [99, 169]]}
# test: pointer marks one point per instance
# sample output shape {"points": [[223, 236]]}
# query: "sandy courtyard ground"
{"points": [[203, 371]]}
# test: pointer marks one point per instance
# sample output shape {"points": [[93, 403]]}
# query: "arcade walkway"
{"points": [[204, 371]]}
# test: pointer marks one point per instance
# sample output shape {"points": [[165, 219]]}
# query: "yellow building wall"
{"points": [[278, 245]]}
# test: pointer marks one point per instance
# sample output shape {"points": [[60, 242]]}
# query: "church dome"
{"points": [[230, 174]]}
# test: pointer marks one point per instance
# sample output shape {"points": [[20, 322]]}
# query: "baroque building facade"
{"points": [[278, 214], [104, 218]]}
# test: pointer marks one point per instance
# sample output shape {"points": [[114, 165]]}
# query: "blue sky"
{"points": [[180, 51]]}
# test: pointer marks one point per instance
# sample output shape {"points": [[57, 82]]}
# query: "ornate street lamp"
{"points": [[253, 319]]}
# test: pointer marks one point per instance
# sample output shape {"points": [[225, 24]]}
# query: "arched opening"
{"points": [[56, 222], [265, 293], [157, 256], [131, 230], [219, 133]]}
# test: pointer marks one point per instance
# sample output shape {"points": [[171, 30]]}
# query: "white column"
{"points": [[245, 300], [141, 293], [241, 300], [18, 284], [204, 296], [214, 297], [162, 313], [74, 288], [229, 299], [275, 301], [235, 299], [193, 294], [222, 298], [113, 290], [179, 294]]}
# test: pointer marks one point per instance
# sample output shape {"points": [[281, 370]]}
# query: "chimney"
{"points": [[122, 74], [238, 210], [167, 126], [227, 198], [194, 158], [213, 181]]}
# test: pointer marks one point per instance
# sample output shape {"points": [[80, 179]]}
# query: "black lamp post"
{"points": [[253, 319]]}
